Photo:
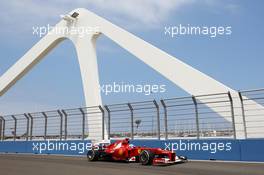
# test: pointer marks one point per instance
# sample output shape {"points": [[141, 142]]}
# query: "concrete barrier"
{"points": [[213, 149]]}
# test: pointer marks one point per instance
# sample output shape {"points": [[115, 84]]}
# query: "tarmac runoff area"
{"points": [[18, 164]]}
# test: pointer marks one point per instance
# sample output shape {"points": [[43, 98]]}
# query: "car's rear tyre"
{"points": [[146, 157], [92, 155]]}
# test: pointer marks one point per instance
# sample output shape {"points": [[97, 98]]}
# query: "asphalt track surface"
{"points": [[60, 165]]}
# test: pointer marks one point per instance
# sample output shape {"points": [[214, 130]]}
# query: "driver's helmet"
{"points": [[126, 141]]}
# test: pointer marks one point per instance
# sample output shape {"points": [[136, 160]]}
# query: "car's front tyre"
{"points": [[146, 157]]}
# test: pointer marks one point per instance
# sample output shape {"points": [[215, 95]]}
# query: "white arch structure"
{"points": [[186, 77]]}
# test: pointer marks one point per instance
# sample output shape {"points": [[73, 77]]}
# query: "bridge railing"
{"points": [[192, 117]]}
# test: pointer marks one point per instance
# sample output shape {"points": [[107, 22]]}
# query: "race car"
{"points": [[122, 150]]}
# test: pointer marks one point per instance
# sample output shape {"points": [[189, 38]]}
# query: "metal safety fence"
{"points": [[220, 115]]}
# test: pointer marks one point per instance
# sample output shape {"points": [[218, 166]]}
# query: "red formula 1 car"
{"points": [[123, 151]]}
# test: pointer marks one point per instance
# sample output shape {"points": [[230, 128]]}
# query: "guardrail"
{"points": [[185, 117]]}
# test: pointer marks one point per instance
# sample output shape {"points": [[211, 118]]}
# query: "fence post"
{"points": [[243, 113], [232, 114], [45, 125], [165, 118], [158, 118], [15, 126], [3, 128], [31, 125], [61, 122], [109, 120], [132, 120], [83, 123], [27, 132], [65, 124], [196, 117], [103, 121]]}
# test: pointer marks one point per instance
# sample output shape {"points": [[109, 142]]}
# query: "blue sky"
{"points": [[236, 60]]}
